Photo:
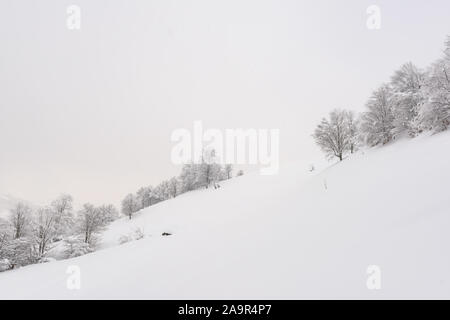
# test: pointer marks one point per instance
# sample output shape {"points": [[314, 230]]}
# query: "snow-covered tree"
{"points": [[76, 246], [90, 221], [435, 113], [20, 219], [333, 135], [352, 130], [173, 187], [228, 171], [216, 174], [145, 197], [5, 237], [15, 251], [109, 212], [412, 102], [130, 205], [407, 99], [5, 264], [208, 171], [4, 227], [63, 215], [159, 192], [378, 122], [44, 228], [164, 190], [19, 252], [188, 177]]}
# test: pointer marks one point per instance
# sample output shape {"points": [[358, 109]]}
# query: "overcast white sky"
{"points": [[90, 112]]}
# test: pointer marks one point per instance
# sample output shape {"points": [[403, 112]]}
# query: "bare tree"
{"points": [[91, 220], [109, 212], [333, 135], [20, 219], [130, 205], [44, 228], [63, 216]]}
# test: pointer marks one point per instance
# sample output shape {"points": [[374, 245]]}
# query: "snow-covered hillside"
{"points": [[294, 235]]}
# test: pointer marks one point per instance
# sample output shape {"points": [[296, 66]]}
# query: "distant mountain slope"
{"points": [[293, 235]]}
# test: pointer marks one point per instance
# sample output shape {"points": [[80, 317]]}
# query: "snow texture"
{"points": [[295, 235]]}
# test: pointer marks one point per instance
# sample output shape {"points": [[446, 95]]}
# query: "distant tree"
{"points": [[19, 252], [352, 130], [435, 113], [90, 221], [378, 122], [4, 241], [109, 212], [201, 175], [447, 49], [164, 190], [20, 219], [333, 135], [76, 246], [228, 169], [240, 173], [188, 177], [44, 228], [4, 227], [63, 215], [130, 205], [159, 193], [209, 171], [173, 187], [145, 197], [407, 99]]}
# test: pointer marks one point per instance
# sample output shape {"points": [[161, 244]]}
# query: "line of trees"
{"points": [[27, 235], [205, 174], [412, 102]]}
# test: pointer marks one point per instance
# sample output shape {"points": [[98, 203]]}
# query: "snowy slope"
{"points": [[293, 235]]}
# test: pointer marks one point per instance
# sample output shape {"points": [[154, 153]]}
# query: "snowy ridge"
{"points": [[290, 236]]}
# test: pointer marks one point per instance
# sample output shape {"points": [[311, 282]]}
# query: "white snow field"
{"points": [[289, 236]]}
